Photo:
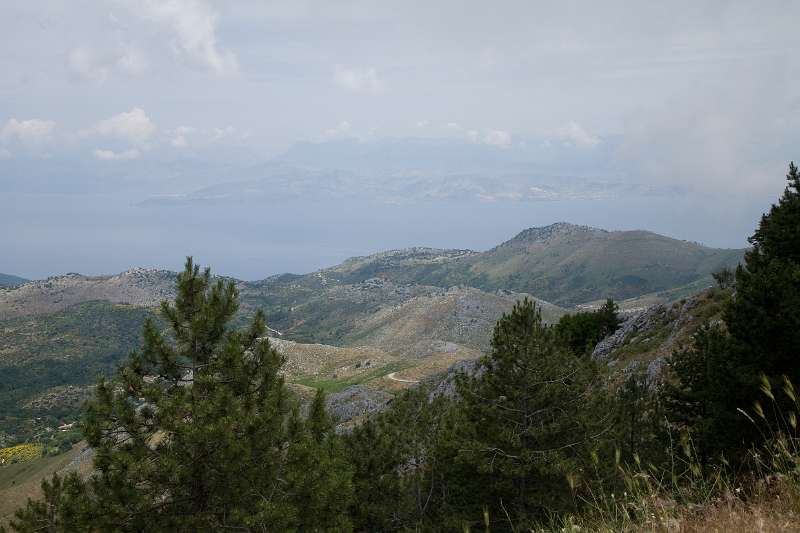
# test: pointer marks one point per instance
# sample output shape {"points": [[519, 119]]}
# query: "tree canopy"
{"points": [[198, 432]]}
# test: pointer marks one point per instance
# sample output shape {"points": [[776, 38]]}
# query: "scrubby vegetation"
{"points": [[20, 453], [198, 432], [562, 263], [582, 331], [70, 347]]}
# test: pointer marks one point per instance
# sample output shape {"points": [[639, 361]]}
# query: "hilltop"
{"points": [[569, 264], [561, 263], [137, 286]]}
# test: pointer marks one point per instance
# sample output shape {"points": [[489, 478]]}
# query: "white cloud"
{"points": [[360, 80], [497, 138], [29, 132], [715, 140], [110, 155], [133, 126], [94, 65], [221, 133], [83, 62], [194, 24], [491, 137], [343, 128], [179, 140], [422, 123], [132, 61], [183, 136], [5, 153], [575, 135]]}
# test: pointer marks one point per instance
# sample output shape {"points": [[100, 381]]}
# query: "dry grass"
{"points": [[774, 505], [737, 516], [689, 498], [21, 481]]}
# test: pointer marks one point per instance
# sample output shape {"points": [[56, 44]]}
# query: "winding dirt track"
{"points": [[393, 378]]}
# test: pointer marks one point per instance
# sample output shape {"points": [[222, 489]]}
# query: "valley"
{"points": [[360, 378], [374, 323]]}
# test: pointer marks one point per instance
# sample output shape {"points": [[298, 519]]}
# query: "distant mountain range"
{"points": [[562, 263], [7, 280], [413, 169], [285, 182]]}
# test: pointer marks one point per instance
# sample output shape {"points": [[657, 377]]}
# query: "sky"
{"points": [[265, 137]]}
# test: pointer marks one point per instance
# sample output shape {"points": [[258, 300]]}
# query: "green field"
{"points": [[332, 384]]}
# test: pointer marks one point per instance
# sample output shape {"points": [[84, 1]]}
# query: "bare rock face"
{"points": [[457, 319], [646, 341], [654, 369], [447, 384], [137, 286], [639, 322], [356, 401]]}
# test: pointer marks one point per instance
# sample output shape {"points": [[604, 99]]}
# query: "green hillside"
{"points": [[8, 281], [561, 263], [57, 335], [40, 357], [49, 360]]}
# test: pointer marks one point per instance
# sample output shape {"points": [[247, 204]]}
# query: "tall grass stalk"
{"points": [[686, 495]]}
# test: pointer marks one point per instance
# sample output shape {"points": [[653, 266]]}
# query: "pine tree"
{"points": [[318, 476], [778, 234], [763, 317], [63, 507], [634, 421], [398, 472], [196, 433], [525, 424], [701, 400], [721, 373], [581, 331]]}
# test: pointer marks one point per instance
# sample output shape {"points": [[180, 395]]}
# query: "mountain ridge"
{"points": [[413, 311], [563, 263]]}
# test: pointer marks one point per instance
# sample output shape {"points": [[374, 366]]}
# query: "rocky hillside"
{"points": [[317, 310], [59, 334], [646, 340], [561, 263], [379, 322], [323, 309], [393, 263], [138, 286], [441, 321]]}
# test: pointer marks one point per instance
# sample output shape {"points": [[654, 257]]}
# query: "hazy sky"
{"points": [[110, 102]]}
